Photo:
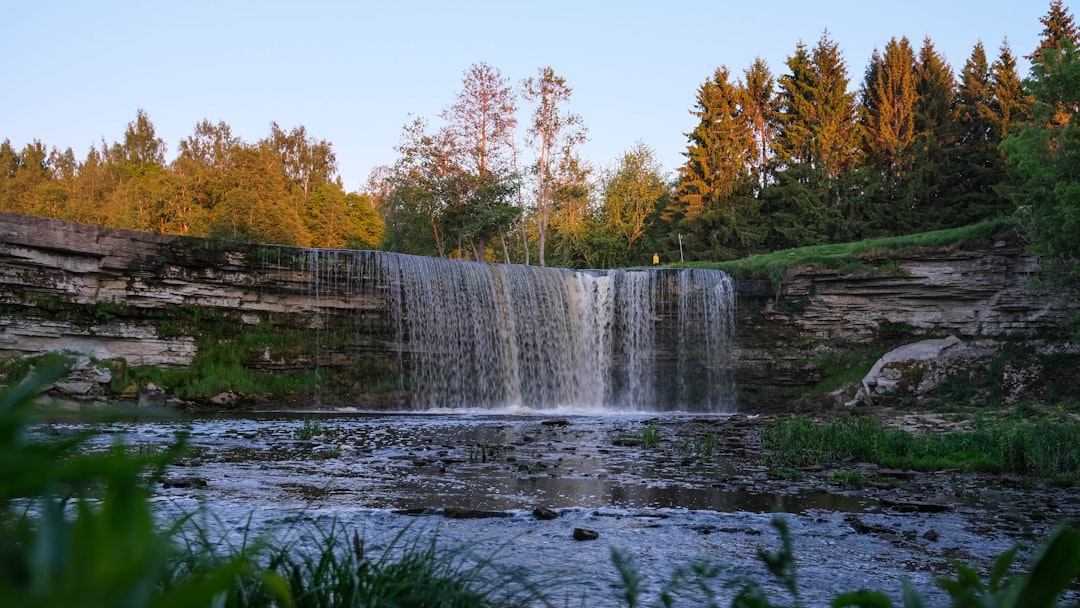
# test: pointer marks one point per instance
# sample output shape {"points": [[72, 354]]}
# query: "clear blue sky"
{"points": [[353, 72]]}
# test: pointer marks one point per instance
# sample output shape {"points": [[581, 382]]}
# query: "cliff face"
{"points": [[151, 299], [819, 321]]}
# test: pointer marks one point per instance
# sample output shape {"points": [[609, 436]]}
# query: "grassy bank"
{"points": [[1045, 448], [861, 255]]}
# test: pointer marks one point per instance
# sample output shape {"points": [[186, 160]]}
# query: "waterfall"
{"points": [[492, 336], [498, 335]]}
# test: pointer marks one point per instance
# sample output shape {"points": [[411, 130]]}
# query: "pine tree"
{"points": [[1058, 27], [815, 147], [759, 110], [715, 184], [935, 128], [889, 108], [835, 114], [1011, 105], [976, 163]]}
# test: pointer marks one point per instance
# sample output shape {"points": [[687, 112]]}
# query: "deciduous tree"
{"points": [[1043, 157], [634, 192], [554, 134]]}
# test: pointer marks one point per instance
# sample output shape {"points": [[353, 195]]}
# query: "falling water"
{"points": [[496, 336]]}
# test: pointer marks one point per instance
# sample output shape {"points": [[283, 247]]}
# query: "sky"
{"points": [[354, 73]]}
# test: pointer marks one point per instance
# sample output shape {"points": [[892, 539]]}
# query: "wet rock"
{"points": [[915, 506], [585, 534], [556, 422], [183, 482], [226, 398], [414, 511], [152, 395], [459, 512], [544, 513], [896, 474], [931, 535], [864, 528]]}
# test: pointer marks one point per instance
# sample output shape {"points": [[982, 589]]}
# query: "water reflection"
{"points": [[479, 461]]}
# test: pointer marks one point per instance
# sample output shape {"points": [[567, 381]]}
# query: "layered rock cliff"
{"points": [[819, 322], [161, 300]]}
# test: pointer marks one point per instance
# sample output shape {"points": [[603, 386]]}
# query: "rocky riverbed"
{"points": [[553, 495]]}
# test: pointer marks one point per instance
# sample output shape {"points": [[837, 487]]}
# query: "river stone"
{"points": [[585, 534], [544, 513], [459, 512]]}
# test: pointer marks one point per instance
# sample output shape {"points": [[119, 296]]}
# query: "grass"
{"points": [[701, 445], [485, 452], [650, 437], [862, 255], [1047, 448], [313, 428]]}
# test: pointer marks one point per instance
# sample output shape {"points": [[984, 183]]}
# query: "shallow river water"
{"points": [[699, 493]]}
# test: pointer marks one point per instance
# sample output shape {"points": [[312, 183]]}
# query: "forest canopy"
{"points": [[809, 154]]}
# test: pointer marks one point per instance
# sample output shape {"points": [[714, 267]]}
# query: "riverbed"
{"points": [[513, 487]]}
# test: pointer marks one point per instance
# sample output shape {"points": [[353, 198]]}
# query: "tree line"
{"points": [[774, 161], [282, 189]]}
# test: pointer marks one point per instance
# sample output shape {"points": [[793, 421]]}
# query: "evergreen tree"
{"points": [[935, 128], [1011, 105], [1058, 28], [976, 163], [714, 196], [815, 147], [760, 109], [888, 115], [835, 117]]}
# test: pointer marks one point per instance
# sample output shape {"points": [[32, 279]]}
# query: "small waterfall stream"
{"points": [[499, 336]]}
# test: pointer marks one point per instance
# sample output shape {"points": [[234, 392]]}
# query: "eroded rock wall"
{"points": [[151, 299], [819, 321]]}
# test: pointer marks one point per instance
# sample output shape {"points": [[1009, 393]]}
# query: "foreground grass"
{"points": [[1046, 448]]}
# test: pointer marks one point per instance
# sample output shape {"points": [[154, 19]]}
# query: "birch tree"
{"points": [[553, 132]]}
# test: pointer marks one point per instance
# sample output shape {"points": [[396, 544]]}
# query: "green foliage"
{"points": [[485, 452], [699, 445], [77, 529], [853, 479], [1053, 568], [650, 437], [1042, 159], [1047, 448], [83, 532], [312, 428]]}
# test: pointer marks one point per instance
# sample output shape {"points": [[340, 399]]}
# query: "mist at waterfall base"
{"points": [[476, 336]]}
